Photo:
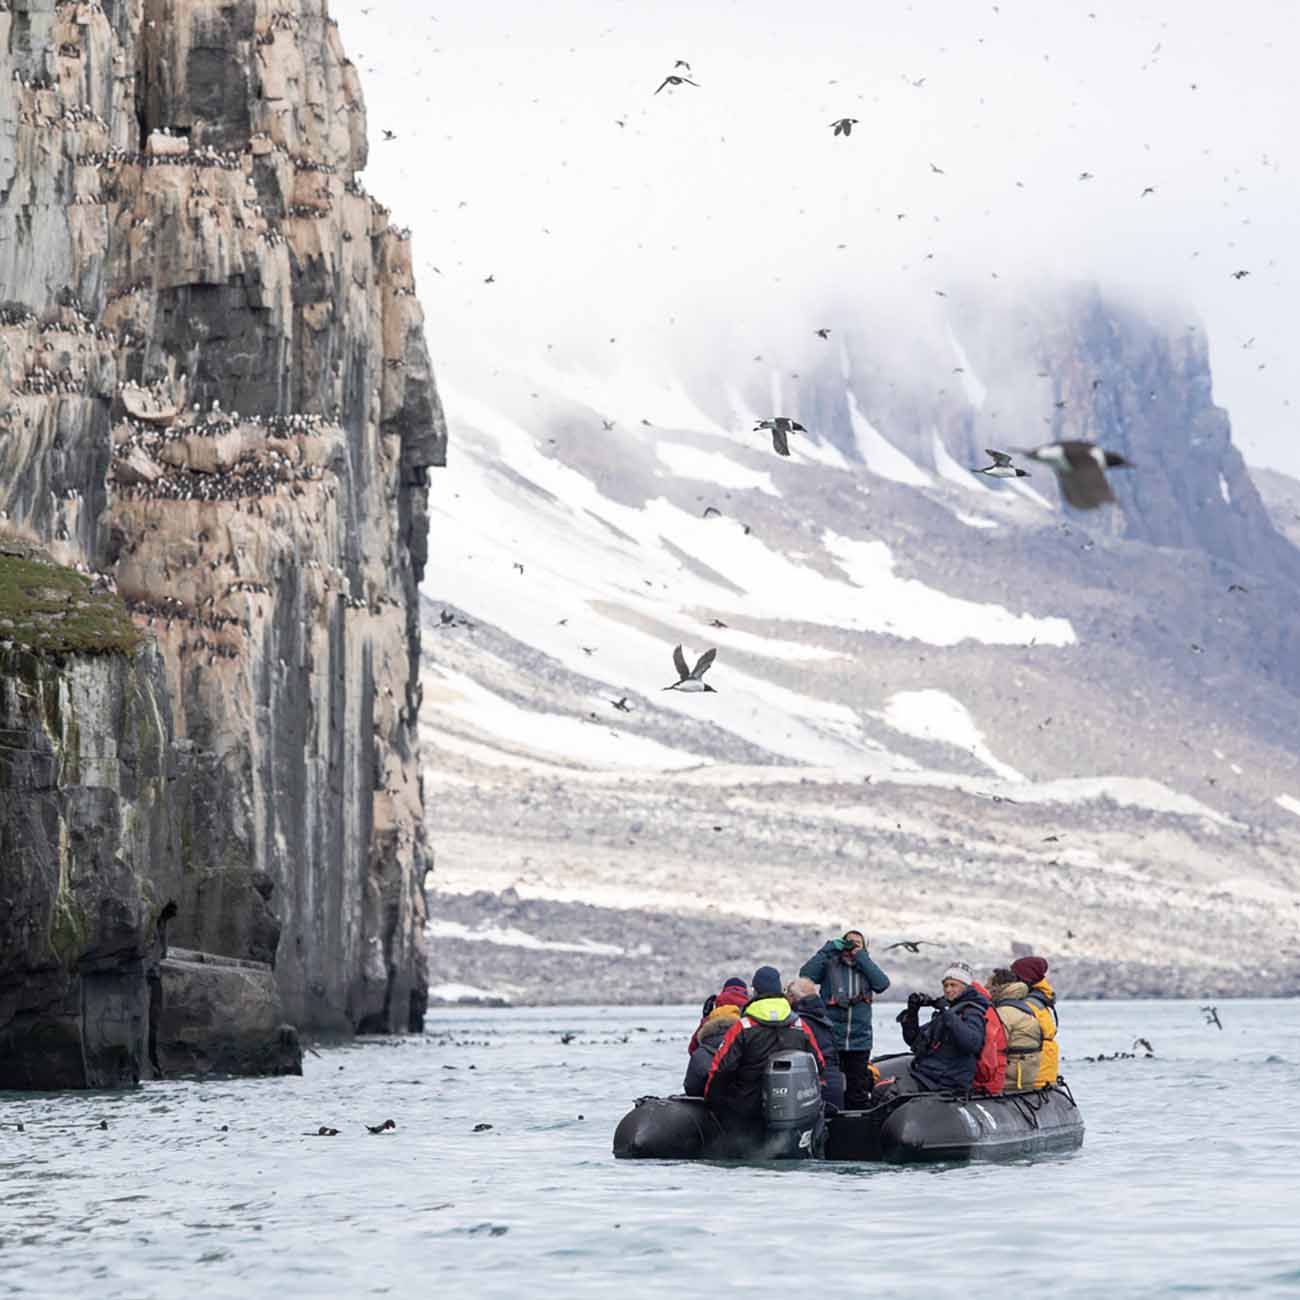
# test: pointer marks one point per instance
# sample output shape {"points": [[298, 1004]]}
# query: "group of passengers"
{"points": [[980, 1038]]}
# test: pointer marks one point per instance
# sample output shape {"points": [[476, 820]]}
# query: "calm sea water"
{"points": [[1188, 1182]]}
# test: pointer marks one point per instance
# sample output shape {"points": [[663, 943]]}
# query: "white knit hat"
{"points": [[959, 970]]}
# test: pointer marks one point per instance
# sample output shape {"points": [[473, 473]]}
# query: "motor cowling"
{"points": [[792, 1106]]}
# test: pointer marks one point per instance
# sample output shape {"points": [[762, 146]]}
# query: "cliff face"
{"points": [[214, 389], [88, 834]]}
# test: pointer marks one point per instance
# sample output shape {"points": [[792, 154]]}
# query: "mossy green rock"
{"points": [[52, 610]]}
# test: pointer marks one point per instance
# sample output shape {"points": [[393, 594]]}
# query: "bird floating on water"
{"points": [[782, 426], [692, 679], [386, 1127], [1001, 467], [1080, 469]]}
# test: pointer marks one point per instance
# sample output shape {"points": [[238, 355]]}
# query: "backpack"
{"points": [[991, 1068]]}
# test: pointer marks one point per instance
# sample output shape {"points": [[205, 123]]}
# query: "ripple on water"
{"points": [[1179, 1187]]}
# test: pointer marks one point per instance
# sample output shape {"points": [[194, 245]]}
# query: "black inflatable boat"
{"points": [[908, 1129]]}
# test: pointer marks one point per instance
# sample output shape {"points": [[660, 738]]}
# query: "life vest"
{"points": [[991, 1067], [844, 985]]}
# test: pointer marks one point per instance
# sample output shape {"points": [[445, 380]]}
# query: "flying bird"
{"points": [[710, 511], [621, 704], [1150, 189], [717, 622], [608, 424], [938, 171], [822, 334], [1081, 470], [782, 426], [1212, 1016], [1085, 176], [388, 135], [1001, 467], [844, 125], [1240, 275], [692, 679], [912, 945], [671, 80], [681, 63]]}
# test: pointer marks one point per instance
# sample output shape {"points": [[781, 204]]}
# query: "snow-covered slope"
{"points": [[910, 658]]}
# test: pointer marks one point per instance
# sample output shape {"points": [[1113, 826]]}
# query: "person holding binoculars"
{"points": [[946, 1049], [849, 979]]}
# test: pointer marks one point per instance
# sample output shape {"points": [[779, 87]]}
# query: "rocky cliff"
{"points": [[214, 391]]}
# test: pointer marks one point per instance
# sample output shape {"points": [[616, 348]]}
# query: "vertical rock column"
{"points": [[234, 418]]}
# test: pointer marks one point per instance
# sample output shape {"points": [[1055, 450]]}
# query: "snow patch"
{"points": [[552, 734], [905, 607], [628, 395], [949, 470], [460, 993], [1223, 491], [1030, 494], [936, 716], [1289, 802], [974, 521], [1132, 791], [880, 455], [970, 381], [508, 937], [712, 467]]}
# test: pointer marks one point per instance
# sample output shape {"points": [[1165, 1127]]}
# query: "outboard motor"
{"points": [[792, 1106]]}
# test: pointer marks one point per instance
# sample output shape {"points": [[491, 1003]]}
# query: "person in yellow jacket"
{"points": [[1042, 997], [1024, 1033]]}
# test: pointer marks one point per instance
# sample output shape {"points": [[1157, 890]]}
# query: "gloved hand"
{"points": [[915, 1001], [839, 945]]}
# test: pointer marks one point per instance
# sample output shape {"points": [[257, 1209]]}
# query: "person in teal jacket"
{"points": [[848, 979]]}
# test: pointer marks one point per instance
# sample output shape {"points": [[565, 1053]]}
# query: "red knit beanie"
{"points": [[1029, 969]]}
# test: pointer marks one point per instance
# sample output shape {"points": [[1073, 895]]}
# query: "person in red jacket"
{"points": [[767, 1026]]}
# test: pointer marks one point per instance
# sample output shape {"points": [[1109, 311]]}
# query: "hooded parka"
{"points": [[1024, 1034], [847, 988], [1042, 997]]}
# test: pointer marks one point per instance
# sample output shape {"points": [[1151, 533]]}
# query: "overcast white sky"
{"points": [[723, 203]]}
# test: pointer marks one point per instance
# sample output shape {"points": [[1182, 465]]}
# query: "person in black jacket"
{"points": [[806, 1002], [945, 1049], [767, 1025]]}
